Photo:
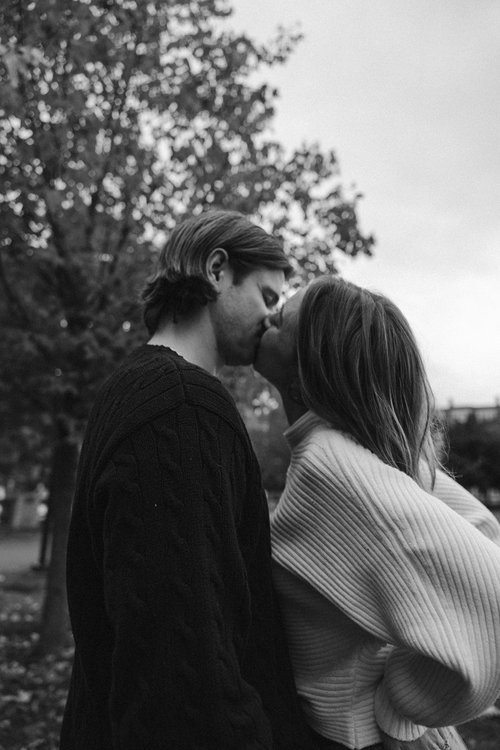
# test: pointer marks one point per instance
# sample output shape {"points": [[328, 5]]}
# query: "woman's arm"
{"points": [[407, 569], [466, 505]]}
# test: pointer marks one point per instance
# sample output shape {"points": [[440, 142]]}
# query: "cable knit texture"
{"points": [[179, 642], [391, 596]]}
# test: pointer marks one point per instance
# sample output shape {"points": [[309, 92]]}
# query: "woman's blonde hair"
{"points": [[360, 369]]}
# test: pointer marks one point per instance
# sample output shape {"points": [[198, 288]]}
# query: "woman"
{"points": [[388, 571]]}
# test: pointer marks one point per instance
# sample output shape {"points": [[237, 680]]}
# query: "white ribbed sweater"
{"points": [[390, 597]]}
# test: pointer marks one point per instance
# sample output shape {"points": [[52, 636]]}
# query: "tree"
{"points": [[116, 119], [474, 453], [266, 424]]}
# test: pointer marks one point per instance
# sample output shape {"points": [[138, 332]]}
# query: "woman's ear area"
{"points": [[217, 266]]}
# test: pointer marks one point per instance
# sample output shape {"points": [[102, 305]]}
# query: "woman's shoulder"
{"points": [[333, 448], [330, 468], [328, 463]]}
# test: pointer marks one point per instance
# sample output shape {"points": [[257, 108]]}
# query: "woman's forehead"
{"points": [[292, 304]]}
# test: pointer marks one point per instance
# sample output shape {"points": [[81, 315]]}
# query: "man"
{"points": [[179, 643]]}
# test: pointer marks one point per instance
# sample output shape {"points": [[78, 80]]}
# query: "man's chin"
{"points": [[257, 368], [257, 360], [241, 359]]}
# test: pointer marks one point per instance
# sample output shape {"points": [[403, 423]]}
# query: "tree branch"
{"points": [[120, 101], [17, 306]]}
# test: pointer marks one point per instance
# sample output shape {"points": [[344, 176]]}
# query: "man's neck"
{"points": [[193, 339]]}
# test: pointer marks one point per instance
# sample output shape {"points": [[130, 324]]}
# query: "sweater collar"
{"points": [[300, 429]]}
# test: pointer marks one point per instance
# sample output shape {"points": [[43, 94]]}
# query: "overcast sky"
{"points": [[407, 92]]}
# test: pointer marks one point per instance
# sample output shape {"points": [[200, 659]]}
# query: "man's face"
{"points": [[276, 358], [241, 311]]}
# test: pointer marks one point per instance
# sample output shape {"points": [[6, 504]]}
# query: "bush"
{"points": [[33, 690]]}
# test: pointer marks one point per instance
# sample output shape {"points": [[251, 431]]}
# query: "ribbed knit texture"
{"points": [[179, 643], [391, 599]]}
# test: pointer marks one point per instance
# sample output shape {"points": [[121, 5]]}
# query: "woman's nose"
{"points": [[272, 320]]}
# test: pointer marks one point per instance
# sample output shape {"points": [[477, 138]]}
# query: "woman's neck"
{"points": [[294, 408]]}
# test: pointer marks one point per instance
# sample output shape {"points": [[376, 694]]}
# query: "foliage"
{"points": [[33, 698], [116, 119], [33, 691], [266, 425], [474, 453]]}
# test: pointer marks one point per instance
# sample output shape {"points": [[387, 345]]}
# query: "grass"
{"points": [[34, 690]]}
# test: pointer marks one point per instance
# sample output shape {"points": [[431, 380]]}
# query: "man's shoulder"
{"points": [[156, 371], [152, 382], [154, 387]]}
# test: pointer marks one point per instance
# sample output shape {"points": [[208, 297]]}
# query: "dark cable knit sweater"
{"points": [[179, 642]]}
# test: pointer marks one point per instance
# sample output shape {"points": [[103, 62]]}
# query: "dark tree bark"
{"points": [[54, 629]]}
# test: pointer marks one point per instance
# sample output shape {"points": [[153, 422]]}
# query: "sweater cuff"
{"points": [[392, 723]]}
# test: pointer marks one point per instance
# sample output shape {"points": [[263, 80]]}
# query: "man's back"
{"points": [[178, 637]]}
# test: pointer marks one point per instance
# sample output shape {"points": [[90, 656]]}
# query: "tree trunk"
{"points": [[54, 628]]}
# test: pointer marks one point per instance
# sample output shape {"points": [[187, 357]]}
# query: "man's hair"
{"points": [[361, 370], [180, 284]]}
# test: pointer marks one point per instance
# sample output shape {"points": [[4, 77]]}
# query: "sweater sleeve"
{"points": [[175, 588], [407, 569], [466, 505]]}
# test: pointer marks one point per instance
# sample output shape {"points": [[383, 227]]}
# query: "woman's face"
{"points": [[276, 358]]}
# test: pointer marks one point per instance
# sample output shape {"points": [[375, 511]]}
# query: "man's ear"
{"points": [[217, 266]]}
